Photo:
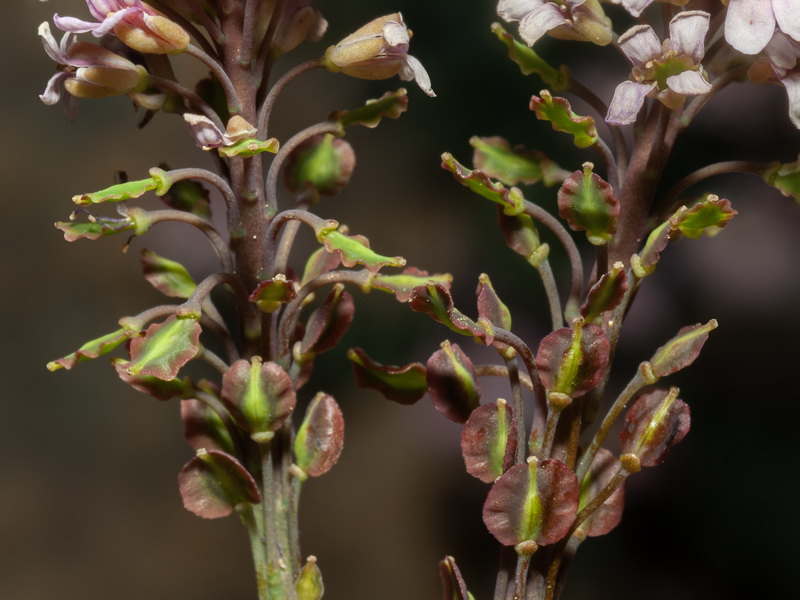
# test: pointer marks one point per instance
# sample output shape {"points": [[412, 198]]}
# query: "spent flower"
{"points": [[136, 23], [669, 71], [378, 50]]}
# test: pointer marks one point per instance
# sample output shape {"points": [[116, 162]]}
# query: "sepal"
{"points": [[214, 484]]}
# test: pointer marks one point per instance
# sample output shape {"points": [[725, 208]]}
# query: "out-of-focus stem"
{"points": [[231, 95], [194, 99], [265, 110]]}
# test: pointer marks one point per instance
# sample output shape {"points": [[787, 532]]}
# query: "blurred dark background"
{"points": [[89, 506]]}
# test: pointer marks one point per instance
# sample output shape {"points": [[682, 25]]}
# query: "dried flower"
{"points": [[669, 72], [378, 50], [136, 23]]}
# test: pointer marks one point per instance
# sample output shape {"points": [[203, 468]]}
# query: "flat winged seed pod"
{"points": [[655, 422]]}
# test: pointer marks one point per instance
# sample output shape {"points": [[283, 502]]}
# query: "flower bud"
{"points": [[378, 50]]}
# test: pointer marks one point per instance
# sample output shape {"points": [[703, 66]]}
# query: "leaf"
{"points": [[489, 441], [606, 294], [682, 350], [559, 112], [91, 349], [320, 438], [403, 284], [259, 396], [391, 105], [480, 183], [588, 204], [655, 422], [327, 324], [435, 300], [609, 514], [530, 62], [572, 361], [533, 501], [495, 157], [249, 147], [354, 249], [167, 276], [405, 384], [164, 348], [118, 192], [452, 382], [214, 483]]}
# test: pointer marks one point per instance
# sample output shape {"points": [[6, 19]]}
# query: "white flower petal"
{"points": [[640, 44], [689, 83], [687, 34], [535, 24], [634, 7], [749, 25], [52, 93], [792, 85], [413, 69], [782, 54], [514, 10], [627, 101], [787, 14]]}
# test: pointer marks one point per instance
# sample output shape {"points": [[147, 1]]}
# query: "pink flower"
{"points": [[582, 20], [87, 70], [669, 71], [136, 23], [749, 24]]}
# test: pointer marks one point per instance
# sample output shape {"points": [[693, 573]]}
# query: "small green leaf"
{"points": [[530, 62], [391, 105], [167, 276], [495, 157], [119, 192], [404, 385], [92, 349], [401, 285], [559, 112], [480, 183], [249, 147], [164, 348], [354, 249], [588, 204]]}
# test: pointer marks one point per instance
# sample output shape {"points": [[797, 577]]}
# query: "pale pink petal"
{"points": [[535, 24], [514, 10], [635, 7], [52, 93], [689, 83], [54, 51], [782, 54], [204, 132], [413, 69], [749, 25], [792, 85], [627, 101], [687, 34], [640, 44], [787, 14]]}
